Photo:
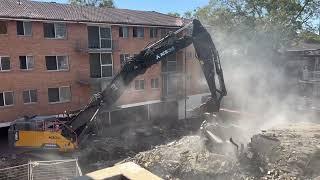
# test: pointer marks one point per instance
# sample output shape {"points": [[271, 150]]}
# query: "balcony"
{"points": [[307, 103], [310, 76], [94, 47], [172, 85], [107, 46]]}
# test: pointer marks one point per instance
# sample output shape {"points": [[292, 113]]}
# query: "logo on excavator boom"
{"points": [[165, 52]]}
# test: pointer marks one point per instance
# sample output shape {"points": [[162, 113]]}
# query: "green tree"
{"points": [[174, 14], [272, 23], [250, 36], [99, 3], [188, 15], [107, 3]]}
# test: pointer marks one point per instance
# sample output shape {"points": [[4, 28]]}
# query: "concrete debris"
{"points": [[289, 152], [188, 159]]}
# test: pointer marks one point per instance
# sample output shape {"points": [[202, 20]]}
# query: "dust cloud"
{"points": [[255, 78]]}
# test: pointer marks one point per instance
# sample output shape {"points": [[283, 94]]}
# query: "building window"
{"points": [[60, 94], [153, 32], [101, 65], [99, 37], [57, 63], [24, 28], [155, 83], [164, 32], [6, 98], [139, 84], [26, 62], [3, 27], [170, 64], [123, 58], [124, 32], [4, 63], [138, 32], [30, 96], [54, 30]]}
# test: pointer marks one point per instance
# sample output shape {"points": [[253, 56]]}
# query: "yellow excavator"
{"points": [[65, 133], [40, 132]]}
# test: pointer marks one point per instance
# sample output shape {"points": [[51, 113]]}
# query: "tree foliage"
{"points": [[99, 3], [271, 23], [174, 14]]}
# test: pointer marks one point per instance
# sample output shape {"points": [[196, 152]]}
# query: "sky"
{"points": [[163, 6]]}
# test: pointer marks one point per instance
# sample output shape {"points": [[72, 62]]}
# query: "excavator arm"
{"points": [[150, 55]]}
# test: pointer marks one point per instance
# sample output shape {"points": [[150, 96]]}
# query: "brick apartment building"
{"points": [[54, 56]]}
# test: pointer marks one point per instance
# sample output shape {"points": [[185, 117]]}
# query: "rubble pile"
{"points": [[101, 152], [188, 159], [288, 152], [291, 151]]}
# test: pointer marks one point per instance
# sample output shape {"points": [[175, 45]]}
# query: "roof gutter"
{"points": [[84, 22]]}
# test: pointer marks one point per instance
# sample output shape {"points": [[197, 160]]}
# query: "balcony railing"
{"points": [[172, 85], [310, 76], [84, 46], [306, 103]]}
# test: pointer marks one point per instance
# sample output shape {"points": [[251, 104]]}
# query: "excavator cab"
{"points": [[39, 132]]}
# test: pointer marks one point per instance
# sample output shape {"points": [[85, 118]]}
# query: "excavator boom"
{"points": [[150, 55]]}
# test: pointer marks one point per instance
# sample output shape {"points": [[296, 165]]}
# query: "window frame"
{"points": [[164, 32], [4, 99], [106, 65], [127, 27], [24, 28], [28, 69], [153, 80], [144, 84], [100, 39], [60, 87], [29, 93], [57, 70], [55, 30], [126, 56], [6, 23], [99, 27], [154, 32], [7, 70], [138, 27], [172, 62]]}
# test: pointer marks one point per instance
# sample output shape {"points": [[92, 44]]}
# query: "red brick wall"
{"points": [[39, 78], [132, 46]]}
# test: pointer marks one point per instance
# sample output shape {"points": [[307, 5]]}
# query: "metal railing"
{"points": [[84, 46], [307, 103], [311, 76], [38, 170]]}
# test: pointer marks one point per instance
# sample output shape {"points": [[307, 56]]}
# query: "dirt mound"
{"points": [[188, 159]]}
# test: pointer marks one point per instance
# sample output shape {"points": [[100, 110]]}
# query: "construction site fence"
{"points": [[39, 170]]}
